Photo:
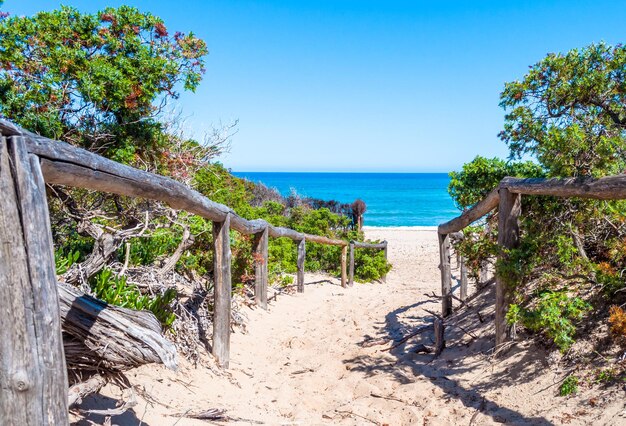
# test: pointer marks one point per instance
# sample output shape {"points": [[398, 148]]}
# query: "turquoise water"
{"points": [[393, 199]]}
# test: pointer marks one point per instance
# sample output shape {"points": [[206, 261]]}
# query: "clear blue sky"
{"points": [[358, 85]]}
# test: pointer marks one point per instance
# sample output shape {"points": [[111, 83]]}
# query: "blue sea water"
{"points": [[392, 199]]}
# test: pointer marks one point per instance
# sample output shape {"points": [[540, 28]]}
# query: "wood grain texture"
{"points": [[508, 238], [489, 203], [100, 335], [223, 291], [300, 262], [260, 268], [446, 277], [605, 188], [463, 285], [33, 378]]}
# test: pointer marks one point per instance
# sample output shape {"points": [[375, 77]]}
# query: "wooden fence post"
{"points": [[446, 278], [440, 341], [483, 275], [222, 290], [301, 256], [351, 275], [508, 238], [463, 273], [33, 376], [384, 277], [344, 278], [260, 270]]}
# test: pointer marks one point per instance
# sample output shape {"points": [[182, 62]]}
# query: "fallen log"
{"points": [[100, 337]]}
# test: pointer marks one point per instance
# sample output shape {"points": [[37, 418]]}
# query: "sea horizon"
{"points": [[393, 199]]}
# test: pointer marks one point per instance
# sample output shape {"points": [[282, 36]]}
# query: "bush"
{"points": [[116, 291], [553, 314]]}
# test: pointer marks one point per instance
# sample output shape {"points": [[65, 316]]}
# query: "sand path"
{"points": [[301, 362]]}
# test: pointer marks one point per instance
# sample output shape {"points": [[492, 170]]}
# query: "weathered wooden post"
{"points": [[33, 377], [260, 270], [344, 278], [440, 341], [508, 238], [222, 290], [463, 272], [384, 277], [351, 279], [483, 275], [446, 278], [301, 255]]}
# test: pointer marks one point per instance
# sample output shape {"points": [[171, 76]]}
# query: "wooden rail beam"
{"points": [[222, 292], [508, 238], [33, 377], [260, 269], [605, 188], [489, 203]]}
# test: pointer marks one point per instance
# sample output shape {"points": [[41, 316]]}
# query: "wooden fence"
{"points": [[33, 378], [507, 199]]}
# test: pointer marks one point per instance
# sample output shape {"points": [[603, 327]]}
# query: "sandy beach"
{"points": [[303, 362]]}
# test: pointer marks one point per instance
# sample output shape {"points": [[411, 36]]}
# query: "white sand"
{"points": [[300, 362]]}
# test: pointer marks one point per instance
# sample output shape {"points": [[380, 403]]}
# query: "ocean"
{"points": [[392, 199]]}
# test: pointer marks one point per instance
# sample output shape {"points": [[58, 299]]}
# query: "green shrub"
{"points": [[115, 290], [554, 314], [569, 386]]}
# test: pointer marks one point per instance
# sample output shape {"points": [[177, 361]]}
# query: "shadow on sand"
{"points": [[454, 361]]}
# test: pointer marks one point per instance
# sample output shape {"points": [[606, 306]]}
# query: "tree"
{"points": [[97, 80], [569, 111]]}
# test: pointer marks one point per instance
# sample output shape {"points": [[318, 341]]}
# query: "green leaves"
{"points": [[482, 175], [569, 111], [94, 78], [116, 291]]}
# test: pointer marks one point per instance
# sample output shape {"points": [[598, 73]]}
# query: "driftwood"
{"points": [[80, 390], [100, 337]]}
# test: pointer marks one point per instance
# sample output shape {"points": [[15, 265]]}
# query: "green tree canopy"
{"points": [[95, 79], [570, 112]]}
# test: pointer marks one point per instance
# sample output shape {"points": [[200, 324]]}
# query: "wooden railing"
{"points": [[507, 199], [33, 379]]}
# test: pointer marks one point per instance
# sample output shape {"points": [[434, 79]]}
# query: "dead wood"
{"points": [[101, 337], [80, 390]]}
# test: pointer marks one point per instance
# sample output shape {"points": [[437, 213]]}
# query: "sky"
{"points": [[363, 85]]}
